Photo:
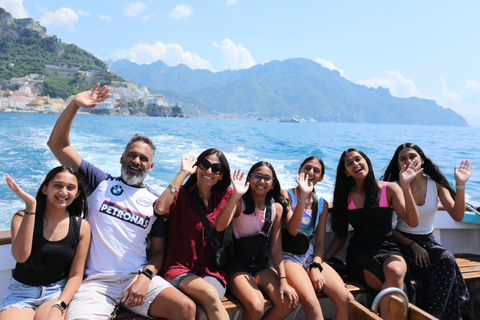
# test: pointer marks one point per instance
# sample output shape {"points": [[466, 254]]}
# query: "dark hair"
{"points": [[431, 169], [343, 186], [141, 137], [316, 159], [79, 208], [274, 193], [221, 184]]}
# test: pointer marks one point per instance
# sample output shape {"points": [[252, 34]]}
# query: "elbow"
{"points": [[413, 224], [19, 257], [293, 231]]}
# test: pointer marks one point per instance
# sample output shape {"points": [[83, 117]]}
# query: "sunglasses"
{"points": [[259, 177], [204, 164]]}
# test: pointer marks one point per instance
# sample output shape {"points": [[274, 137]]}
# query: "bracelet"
{"points": [[226, 207], [60, 305], [25, 212], [316, 265], [282, 278], [304, 201], [460, 187], [410, 245]]}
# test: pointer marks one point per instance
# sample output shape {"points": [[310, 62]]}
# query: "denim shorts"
{"points": [[19, 295]]}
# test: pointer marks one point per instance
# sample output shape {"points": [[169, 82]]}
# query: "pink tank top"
{"points": [[247, 224], [383, 199]]}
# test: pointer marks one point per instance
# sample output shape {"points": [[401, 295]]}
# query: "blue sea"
{"points": [[101, 139]]}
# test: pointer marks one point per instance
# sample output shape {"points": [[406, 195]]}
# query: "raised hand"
{"points": [[305, 185], [30, 201], [91, 98], [463, 173], [239, 187], [407, 174], [188, 164]]}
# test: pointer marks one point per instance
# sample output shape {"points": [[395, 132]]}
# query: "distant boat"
{"points": [[290, 120]]}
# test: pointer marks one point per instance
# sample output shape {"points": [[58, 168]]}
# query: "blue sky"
{"points": [[427, 49]]}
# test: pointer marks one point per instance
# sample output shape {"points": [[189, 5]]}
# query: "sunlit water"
{"points": [[101, 139]]}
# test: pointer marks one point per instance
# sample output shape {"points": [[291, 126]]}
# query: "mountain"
{"points": [[25, 48], [294, 87]]}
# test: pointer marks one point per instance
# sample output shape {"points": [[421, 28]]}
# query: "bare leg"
{"points": [[336, 290], [243, 286], [300, 281], [17, 314], [268, 282], [394, 270], [170, 303], [206, 295]]}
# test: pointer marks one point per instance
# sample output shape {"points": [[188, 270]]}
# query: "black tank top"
{"points": [[56, 259]]}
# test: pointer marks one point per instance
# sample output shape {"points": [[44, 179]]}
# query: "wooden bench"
{"points": [[469, 265]]}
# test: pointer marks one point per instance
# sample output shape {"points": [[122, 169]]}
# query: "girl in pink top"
{"points": [[247, 210]]}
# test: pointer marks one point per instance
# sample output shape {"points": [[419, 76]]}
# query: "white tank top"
{"points": [[426, 212]]}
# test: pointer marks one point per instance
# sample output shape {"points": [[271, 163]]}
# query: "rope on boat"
{"points": [[472, 208]]}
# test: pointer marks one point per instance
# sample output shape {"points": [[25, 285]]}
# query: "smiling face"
{"points": [[207, 178], [355, 165], [137, 162], [314, 170], [409, 157], [258, 185], [61, 190]]}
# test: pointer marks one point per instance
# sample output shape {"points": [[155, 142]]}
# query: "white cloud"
{"points": [[472, 84], [235, 56], [64, 17], [466, 102], [15, 7], [171, 54], [230, 2], [134, 9], [181, 11], [398, 85], [83, 13], [329, 65], [105, 17]]}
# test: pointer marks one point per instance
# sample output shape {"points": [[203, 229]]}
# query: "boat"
{"points": [[457, 237], [294, 120]]}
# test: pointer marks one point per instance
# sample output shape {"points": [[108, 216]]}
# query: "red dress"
{"points": [[188, 247]]}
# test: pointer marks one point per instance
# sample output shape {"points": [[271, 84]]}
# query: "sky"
{"points": [[415, 48]]}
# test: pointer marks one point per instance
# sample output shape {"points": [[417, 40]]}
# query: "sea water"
{"points": [[101, 139]]}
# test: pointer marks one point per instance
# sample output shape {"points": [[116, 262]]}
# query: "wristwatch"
{"points": [[147, 272], [316, 265], [62, 306], [172, 188]]}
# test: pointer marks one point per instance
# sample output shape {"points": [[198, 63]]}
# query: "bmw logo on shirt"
{"points": [[116, 190]]}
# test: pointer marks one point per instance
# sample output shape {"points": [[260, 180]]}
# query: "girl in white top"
{"points": [[246, 210], [440, 288]]}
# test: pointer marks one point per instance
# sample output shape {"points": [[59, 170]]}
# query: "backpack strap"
{"points": [[203, 217], [268, 217], [77, 221]]}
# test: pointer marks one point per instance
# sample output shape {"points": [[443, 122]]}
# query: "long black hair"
{"points": [[316, 159], [274, 193], [221, 184], [431, 169], [343, 186], [79, 208]]}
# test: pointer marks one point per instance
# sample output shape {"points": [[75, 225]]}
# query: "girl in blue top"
{"points": [[307, 272]]}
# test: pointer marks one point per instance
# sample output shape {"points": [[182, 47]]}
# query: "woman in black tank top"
{"points": [[50, 244]]}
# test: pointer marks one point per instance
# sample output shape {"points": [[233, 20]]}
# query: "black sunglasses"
{"points": [[259, 177], [204, 164]]}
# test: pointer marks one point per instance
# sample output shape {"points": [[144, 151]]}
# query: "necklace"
{"points": [[206, 196]]}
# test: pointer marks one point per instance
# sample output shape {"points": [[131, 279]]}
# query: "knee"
{"points": [[254, 309], [285, 308], [448, 259], [188, 309], [209, 296], [395, 273]]}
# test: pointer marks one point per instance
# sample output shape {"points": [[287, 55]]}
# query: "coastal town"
{"points": [[22, 93]]}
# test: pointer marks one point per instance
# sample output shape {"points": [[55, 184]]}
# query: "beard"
{"points": [[132, 179]]}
